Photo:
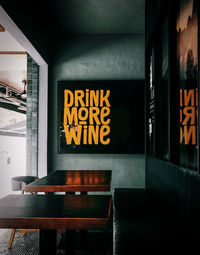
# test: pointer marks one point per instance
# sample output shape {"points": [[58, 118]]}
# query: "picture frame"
{"points": [[101, 117]]}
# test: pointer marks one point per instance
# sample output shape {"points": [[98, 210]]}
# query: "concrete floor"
{"points": [[29, 245]]}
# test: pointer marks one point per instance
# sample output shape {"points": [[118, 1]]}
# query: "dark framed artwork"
{"points": [[101, 116]]}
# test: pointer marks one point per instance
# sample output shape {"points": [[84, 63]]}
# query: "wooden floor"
{"points": [[29, 245]]}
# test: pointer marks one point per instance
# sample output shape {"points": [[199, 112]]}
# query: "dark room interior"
{"points": [[112, 127]]}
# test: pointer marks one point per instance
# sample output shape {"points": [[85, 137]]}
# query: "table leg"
{"points": [[70, 193], [70, 240], [83, 232], [74, 193], [83, 192], [83, 238], [47, 242]]}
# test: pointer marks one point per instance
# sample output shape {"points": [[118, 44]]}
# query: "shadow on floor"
{"points": [[29, 245]]}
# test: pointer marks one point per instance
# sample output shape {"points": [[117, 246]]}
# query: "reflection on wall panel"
{"points": [[151, 116], [187, 56]]}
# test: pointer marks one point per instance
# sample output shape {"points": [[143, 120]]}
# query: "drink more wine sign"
{"points": [[87, 116], [96, 117]]}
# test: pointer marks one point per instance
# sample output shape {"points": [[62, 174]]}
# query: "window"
{"points": [[172, 85]]}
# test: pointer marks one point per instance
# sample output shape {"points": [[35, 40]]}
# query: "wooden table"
{"points": [[48, 213], [72, 181]]}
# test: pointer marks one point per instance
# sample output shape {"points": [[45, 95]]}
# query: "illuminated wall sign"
{"points": [[100, 116]]}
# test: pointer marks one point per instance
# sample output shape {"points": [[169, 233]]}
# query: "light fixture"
{"points": [[24, 93]]}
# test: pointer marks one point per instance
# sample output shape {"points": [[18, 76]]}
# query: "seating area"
{"points": [[160, 218], [142, 224], [153, 219], [80, 219]]}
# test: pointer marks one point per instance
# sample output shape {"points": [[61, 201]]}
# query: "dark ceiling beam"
{"points": [[11, 107], [33, 19], [13, 53]]}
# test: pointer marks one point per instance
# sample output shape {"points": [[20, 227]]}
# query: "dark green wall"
{"points": [[92, 57], [178, 187]]}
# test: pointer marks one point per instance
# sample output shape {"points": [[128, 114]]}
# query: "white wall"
{"points": [[15, 149]]}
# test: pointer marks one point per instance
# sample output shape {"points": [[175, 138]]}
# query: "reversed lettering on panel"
{"points": [[188, 116]]}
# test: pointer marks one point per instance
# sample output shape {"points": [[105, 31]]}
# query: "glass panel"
{"points": [[162, 135], [187, 54], [151, 117]]}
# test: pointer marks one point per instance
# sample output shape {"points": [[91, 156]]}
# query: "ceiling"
{"points": [[99, 16], [66, 17], [13, 62], [13, 70]]}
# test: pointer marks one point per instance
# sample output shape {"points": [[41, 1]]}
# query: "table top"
{"points": [[55, 211], [72, 180]]}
